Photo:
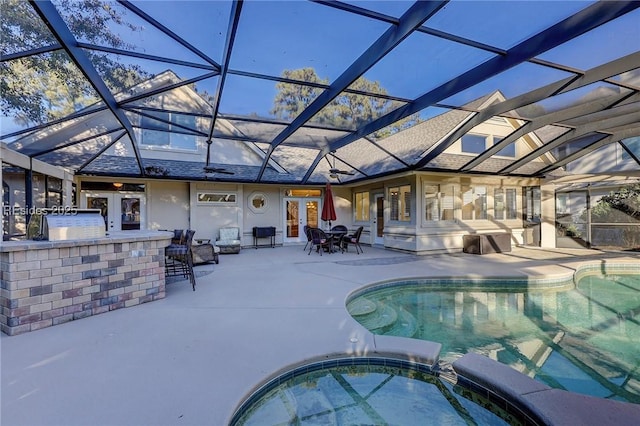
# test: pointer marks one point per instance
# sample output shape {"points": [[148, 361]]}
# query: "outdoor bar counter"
{"points": [[45, 283]]}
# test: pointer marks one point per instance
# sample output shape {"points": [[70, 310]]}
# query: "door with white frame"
{"points": [[377, 219], [121, 211], [299, 212]]}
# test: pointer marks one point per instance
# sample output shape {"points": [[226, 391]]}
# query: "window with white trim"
{"points": [[361, 206], [216, 197], [258, 202], [477, 144], [504, 204], [474, 144], [507, 151], [171, 133], [474, 202], [400, 203], [439, 202]]}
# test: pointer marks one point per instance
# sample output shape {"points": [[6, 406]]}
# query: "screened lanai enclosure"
{"points": [[316, 91]]}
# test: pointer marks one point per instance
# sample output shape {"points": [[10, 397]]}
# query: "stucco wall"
{"points": [[168, 205], [207, 219], [269, 215]]}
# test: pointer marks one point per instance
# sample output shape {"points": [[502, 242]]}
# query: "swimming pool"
{"points": [[368, 391], [581, 336]]}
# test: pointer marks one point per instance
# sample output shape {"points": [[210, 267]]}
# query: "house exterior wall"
{"points": [[266, 215], [421, 235], [168, 205], [207, 218], [176, 205], [609, 157]]}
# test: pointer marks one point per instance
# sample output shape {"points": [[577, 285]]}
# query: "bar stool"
{"points": [[178, 258]]}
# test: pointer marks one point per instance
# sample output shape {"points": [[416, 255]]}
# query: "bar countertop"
{"points": [[110, 238]]}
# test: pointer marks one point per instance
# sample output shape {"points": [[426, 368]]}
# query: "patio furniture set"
{"points": [[183, 253], [331, 240]]}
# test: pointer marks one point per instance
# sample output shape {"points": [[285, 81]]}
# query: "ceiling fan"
{"points": [[334, 171], [210, 169]]}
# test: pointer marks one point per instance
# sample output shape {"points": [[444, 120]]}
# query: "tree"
{"points": [[618, 206], [39, 88], [346, 111], [292, 99]]}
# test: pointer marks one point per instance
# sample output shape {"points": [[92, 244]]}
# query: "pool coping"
{"points": [[546, 405], [551, 282]]}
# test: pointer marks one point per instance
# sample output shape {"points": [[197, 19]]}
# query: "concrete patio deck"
{"points": [[192, 357]]}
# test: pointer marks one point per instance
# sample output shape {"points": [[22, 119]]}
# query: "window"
{"points": [[303, 193], [532, 203], [511, 206], [439, 202], [216, 198], [498, 204], [474, 144], [477, 144], [507, 151], [258, 202], [361, 206], [54, 191], [474, 202], [504, 203], [400, 203], [167, 133], [633, 145]]}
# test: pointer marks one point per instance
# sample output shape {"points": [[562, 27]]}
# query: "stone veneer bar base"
{"points": [[45, 283]]}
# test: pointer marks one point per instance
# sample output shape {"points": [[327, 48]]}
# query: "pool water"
{"points": [[367, 393], [585, 338]]}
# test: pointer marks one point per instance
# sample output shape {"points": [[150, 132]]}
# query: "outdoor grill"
{"points": [[71, 224]]}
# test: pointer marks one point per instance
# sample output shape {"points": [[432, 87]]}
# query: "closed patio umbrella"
{"points": [[328, 210]]}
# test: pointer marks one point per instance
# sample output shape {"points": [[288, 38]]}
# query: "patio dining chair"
{"points": [[307, 228], [319, 240], [337, 232], [352, 239], [178, 258]]}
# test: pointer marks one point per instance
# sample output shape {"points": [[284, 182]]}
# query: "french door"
{"points": [[378, 219], [299, 212], [531, 215], [121, 211]]}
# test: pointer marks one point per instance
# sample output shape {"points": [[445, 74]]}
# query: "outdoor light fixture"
{"points": [[118, 185]]}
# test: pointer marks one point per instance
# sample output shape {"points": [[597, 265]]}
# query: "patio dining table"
{"points": [[335, 235]]}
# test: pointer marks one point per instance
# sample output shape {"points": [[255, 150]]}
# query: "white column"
{"points": [[548, 214]]}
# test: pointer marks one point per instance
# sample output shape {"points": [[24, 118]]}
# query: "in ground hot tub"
{"points": [[366, 391]]}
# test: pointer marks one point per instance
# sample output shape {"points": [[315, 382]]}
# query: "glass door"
{"points": [[299, 212], [531, 215], [121, 212], [378, 219], [572, 230]]}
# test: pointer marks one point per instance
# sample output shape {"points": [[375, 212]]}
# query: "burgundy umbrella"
{"points": [[328, 210]]}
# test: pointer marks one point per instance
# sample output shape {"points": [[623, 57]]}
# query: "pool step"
{"points": [[384, 316], [405, 326], [380, 318]]}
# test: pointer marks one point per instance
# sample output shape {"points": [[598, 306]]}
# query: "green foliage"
{"points": [[622, 206], [347, 111], [39, 88]]}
